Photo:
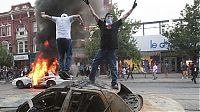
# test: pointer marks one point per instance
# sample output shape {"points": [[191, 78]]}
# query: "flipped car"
{"points": [[47, 81], [83, 97]]}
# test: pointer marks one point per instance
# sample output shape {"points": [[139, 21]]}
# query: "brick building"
{"points": [[17, 31]]}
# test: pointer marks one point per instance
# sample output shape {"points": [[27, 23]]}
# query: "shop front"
{"points": [[152, 47], [21, 61]]}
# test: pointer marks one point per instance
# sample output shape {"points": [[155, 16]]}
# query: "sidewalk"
{"points": [[138, 78]]}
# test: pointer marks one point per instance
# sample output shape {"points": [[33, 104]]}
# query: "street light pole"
{"points": [[29, 59]]}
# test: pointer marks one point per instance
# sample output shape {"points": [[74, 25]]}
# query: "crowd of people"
{"points": [[9, 73]]}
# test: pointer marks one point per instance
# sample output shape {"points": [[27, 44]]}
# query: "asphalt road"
{"points": [[181, 90]]}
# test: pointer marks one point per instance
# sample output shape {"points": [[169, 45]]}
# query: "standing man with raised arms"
{"points": [[109, 43], [63, 40]]}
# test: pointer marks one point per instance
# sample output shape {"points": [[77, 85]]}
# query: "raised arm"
{"points": [[92, 10], [45, 16], [129, 12], [79, 18]]}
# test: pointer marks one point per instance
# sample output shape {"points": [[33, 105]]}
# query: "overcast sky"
{"points": [[147, 10]]}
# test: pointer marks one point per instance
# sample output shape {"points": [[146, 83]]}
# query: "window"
{"points": [[21, 30], [26, 46], [7, 45], [5, 30], [10, 48], [34, 26], [35, 48], [20, 47]]}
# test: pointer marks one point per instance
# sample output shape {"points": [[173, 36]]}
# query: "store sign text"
{"points": [[163, 44]]}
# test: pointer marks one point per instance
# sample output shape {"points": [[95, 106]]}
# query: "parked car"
{"points": [[47, 81], [83, 97], [22, 82]]}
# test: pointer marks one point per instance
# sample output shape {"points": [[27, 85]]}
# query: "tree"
{"points": [[185, 35], [6, 59], [127, 45]]}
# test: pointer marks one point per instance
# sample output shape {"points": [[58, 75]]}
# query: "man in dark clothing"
{"points": [[108, 44], [194, 72]]}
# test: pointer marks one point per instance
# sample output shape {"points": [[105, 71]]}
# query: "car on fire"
{"points": [[47, 81], [81, 96]]}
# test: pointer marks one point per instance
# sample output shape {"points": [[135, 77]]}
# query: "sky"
{"points": [[146, 11]]}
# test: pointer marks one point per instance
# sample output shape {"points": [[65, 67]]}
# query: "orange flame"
{"points": [[46, 43], [40, 67]]}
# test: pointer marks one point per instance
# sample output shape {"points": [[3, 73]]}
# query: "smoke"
{"points": [[56, 8]]}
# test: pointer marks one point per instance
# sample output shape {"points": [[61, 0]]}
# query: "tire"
{"points": [[20, 84], [50, 83], [140, 102]]}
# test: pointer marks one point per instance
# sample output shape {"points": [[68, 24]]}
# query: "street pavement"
{"points": [[172, 89], [163, 94]]}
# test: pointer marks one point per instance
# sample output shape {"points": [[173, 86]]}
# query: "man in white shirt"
{"points": [[155, 70], [63, 40]]}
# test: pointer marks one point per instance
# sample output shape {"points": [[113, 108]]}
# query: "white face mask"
{"points": [[64, 15], [109, 20]]}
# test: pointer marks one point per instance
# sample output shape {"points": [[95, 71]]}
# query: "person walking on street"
{"points": [[194, 73], [184, 71], [166, 69], [155, 70], [63, 40], [108, 44], [130, 73]]}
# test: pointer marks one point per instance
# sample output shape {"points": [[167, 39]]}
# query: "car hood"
{"points": [[23, 78]]}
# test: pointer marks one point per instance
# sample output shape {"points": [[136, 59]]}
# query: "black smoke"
{"points": [[56, 8]]}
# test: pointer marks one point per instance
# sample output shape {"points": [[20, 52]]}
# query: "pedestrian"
{"points": [[130, 73], [63, 40], [155, 70], [166, 69], [124, 73], [108, 44], [194, 73], [184, 71]]}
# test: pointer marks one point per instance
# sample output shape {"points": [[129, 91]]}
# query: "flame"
{"points": [[46, 43], [40, 67]]}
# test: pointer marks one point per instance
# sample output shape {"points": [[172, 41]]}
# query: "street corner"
{"points": [[154, 103]]}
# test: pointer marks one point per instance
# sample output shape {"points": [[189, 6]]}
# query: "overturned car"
{"points": [[81, 96]]}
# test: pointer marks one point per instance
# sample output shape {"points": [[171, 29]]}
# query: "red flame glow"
{"points": [[46, 43], [40, 67]]}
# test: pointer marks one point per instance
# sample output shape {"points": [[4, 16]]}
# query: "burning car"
{"points": [[47, 81], [81, 96]]}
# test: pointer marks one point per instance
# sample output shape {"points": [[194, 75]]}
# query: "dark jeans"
{"points": [[194, 76], [110, 57], [130, 74], [64, 47]]}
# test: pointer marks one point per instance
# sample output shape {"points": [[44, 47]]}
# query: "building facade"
{"points": [[17, 31], [154, 47]]}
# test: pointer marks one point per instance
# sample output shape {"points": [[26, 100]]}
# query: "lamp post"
{"points": [[29, 59], [197, 45]]}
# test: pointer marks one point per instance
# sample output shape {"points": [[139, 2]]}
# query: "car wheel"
{"points": [[50, 83], [20, 84]]}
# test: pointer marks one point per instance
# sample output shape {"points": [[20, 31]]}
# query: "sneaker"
{"points": [[114, 86], [182, 78], [155, 78]]}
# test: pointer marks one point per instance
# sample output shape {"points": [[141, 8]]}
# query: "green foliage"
{"points": [[5, 58], [127, 45], [184, 36]]}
